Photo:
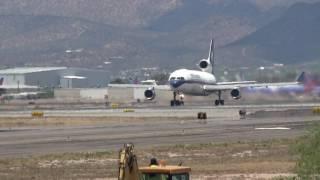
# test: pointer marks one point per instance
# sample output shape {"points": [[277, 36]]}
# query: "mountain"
{"points": [[293, 38], [135, 33], [128, 13]]}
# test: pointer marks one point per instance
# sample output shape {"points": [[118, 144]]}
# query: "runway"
{"points": [[167, 127], [155, 111]]}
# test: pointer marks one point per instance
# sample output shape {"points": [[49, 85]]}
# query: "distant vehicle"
{"points": [[202, 83], [307, 85], [22, 95]]}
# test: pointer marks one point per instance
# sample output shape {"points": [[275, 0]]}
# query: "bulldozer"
{"points": [[129, 169]]}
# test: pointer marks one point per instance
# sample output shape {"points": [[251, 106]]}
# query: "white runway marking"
{"points": [[273, 128]]}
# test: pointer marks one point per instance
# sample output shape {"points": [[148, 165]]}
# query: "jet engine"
{"points": [[150, 93], [235, 94], [205, 65]]}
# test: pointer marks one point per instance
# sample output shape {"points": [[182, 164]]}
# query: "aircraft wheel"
{"points": [[171, 103], [222, 102], [217, 102], [204, 115]]}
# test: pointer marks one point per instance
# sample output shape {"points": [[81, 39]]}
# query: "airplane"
{"points": [[307, 85], [6, 89], [200, 83]]}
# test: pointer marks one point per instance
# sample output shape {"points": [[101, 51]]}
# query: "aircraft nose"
{"points": [[176, 83]]}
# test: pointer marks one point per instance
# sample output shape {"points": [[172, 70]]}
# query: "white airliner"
{"points": [[5, 88], [202, 83]]}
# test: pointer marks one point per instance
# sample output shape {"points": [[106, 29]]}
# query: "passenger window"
{"points": [[182, 78], [172, 78]]}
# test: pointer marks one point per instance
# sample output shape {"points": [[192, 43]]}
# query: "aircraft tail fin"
{"points": [[211, 55], [302, 78], [207, 65]]}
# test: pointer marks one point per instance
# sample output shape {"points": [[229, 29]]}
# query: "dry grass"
{"points": [[11, 122], [204, 159]]}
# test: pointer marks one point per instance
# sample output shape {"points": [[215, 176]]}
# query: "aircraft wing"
{"points": [[160, 87], [236, 82], [222, 86], [273, 84], [225, 86], [16, 87], [213, 88]]}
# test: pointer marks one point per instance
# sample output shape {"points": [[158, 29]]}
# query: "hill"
{"points": [[133, 33], [293, 38]]}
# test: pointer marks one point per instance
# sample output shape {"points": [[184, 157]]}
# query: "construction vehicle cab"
{"points": [[129, 169], [165, 173]]}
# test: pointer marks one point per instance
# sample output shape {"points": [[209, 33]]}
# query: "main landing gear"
{"points": [[176, 102], [219, 101]]}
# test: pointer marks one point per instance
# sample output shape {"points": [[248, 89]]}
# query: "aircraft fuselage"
{"points": [[191, 82]]}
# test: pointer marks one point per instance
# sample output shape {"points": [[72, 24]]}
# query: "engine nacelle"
{"points": [[150, 93], [235, 94], [205, 65]]}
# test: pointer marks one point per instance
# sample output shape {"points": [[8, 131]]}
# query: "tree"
{"points": [[161, 78], [119, 81], [308, 165]]}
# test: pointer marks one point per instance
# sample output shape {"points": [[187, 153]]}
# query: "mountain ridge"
{"points": [[289, 39], [143, 33]]}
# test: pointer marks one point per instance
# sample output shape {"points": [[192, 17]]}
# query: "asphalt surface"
{"points": [[223, 125]]}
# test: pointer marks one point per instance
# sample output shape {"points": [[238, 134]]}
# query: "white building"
{"points": [[54, 77]]}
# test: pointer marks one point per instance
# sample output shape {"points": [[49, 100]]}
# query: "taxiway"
{"points": [[166, 127]]}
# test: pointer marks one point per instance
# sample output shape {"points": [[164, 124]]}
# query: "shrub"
{"points": [[308, 165]]}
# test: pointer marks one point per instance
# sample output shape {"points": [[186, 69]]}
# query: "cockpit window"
{"points": [[177, 78]]}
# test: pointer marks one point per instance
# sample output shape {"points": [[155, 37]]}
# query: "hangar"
{"points": [[55, 77]]}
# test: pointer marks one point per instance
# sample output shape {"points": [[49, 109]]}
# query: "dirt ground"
{"points": [[16, 122], [237, 160], [233, 160]]}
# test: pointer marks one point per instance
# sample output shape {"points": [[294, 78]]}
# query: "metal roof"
{"points": [[26, 70], [74, 77]]}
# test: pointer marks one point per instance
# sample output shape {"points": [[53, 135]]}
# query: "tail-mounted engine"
{"points": [[235, 94], [205, 65], [150, 93]]}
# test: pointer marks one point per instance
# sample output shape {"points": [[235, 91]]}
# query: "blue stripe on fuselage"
{"points": [[177, 83]]}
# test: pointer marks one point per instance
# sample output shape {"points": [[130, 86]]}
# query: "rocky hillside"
{"points": [[119, 13], [293, 38], [132, 33]]}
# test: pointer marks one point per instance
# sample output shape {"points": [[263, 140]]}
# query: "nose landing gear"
{"points": [[176, 102]]}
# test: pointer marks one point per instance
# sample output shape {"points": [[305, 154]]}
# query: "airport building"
{"points": [[55, 77]]}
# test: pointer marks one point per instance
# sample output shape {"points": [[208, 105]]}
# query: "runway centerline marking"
{"points": [[273, 128]]}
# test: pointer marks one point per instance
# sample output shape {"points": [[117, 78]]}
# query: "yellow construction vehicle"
{"points": [[129, 170]]}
